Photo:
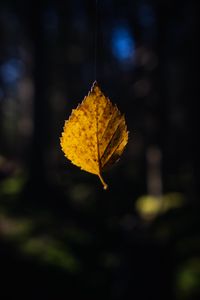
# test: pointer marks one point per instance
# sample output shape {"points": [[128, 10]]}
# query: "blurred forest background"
{"points": [[61, 235]]}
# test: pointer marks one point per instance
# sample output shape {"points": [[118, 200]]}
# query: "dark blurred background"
{"points": [[61, 235]]}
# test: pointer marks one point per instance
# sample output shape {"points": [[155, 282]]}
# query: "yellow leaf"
{"points": [[95, 135]]}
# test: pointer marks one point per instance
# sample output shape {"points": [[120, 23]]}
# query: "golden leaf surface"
{"points": [[95, 135]]}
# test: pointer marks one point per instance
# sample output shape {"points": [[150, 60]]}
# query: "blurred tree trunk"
{"points": [[35, 22], [40, 134], [33, 15]]}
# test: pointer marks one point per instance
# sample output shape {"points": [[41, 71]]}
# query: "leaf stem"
{"points": [[105, 186]]}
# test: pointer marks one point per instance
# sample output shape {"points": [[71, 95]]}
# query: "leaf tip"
{"points": [[95, 87], [94, 84]]}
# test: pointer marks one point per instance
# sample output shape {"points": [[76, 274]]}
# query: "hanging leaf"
{"points": [[95, 135]]}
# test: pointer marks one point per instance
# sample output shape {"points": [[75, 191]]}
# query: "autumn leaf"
{"points": [[95, 135]]}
